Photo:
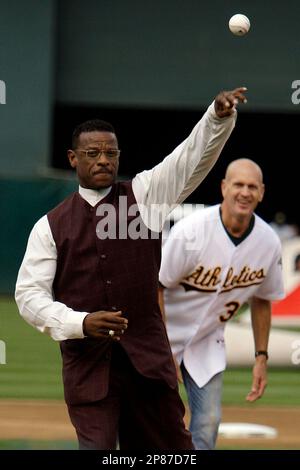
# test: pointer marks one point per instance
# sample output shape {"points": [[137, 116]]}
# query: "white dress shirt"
{"points": [[168, 183]]}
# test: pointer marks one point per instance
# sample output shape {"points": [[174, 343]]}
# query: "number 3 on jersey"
{"points": [[231, 308]]}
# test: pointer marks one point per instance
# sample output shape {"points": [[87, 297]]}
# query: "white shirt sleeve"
{"points": [[34, 295], [172, 180]]}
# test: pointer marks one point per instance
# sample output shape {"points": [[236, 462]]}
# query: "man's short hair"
{"points": [[90, 126]]}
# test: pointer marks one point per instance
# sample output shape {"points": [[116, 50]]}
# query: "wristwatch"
{"points": [[262, 353]]}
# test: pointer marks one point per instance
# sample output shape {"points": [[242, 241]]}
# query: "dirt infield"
{"points": [[48, 420], [38, 420]]}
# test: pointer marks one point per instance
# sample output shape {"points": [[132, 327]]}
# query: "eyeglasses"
{"points": [[95, 153]]}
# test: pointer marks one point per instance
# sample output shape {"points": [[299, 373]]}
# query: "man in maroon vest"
{"points": [[89, 279]]}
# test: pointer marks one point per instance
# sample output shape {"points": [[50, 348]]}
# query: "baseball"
{"points": [[239, 24]]}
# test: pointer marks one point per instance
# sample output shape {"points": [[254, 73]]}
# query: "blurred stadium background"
{"points": [[151, 69]]}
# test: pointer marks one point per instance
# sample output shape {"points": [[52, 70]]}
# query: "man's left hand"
{"points": [[259, 381]]}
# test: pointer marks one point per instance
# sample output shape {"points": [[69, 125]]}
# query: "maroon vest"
{"points": [[111, 274]]}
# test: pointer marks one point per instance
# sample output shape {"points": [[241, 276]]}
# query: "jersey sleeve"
{"points": [[272, 287], [178, 255]]}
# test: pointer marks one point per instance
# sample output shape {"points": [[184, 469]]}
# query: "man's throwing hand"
{"points": [[226, 101]]}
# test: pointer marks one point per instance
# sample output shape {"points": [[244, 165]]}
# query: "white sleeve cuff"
{"points": [[73, 326], [213, 115]]}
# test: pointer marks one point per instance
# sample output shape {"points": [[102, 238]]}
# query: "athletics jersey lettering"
{"points": [[206, 280], [202, 280], [245, 278]]}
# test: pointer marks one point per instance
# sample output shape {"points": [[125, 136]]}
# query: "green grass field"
{"points": [[33, 370]]}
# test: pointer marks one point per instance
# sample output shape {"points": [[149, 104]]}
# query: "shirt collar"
{"points": [[93, 196]]}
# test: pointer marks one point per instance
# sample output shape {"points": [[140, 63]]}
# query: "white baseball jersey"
{"points": [[208, 278]]}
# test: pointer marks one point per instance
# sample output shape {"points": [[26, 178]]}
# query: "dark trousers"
{"points": [[140, 413]]}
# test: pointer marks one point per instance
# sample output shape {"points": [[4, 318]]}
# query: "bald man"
{"points": [[213, 262]]}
